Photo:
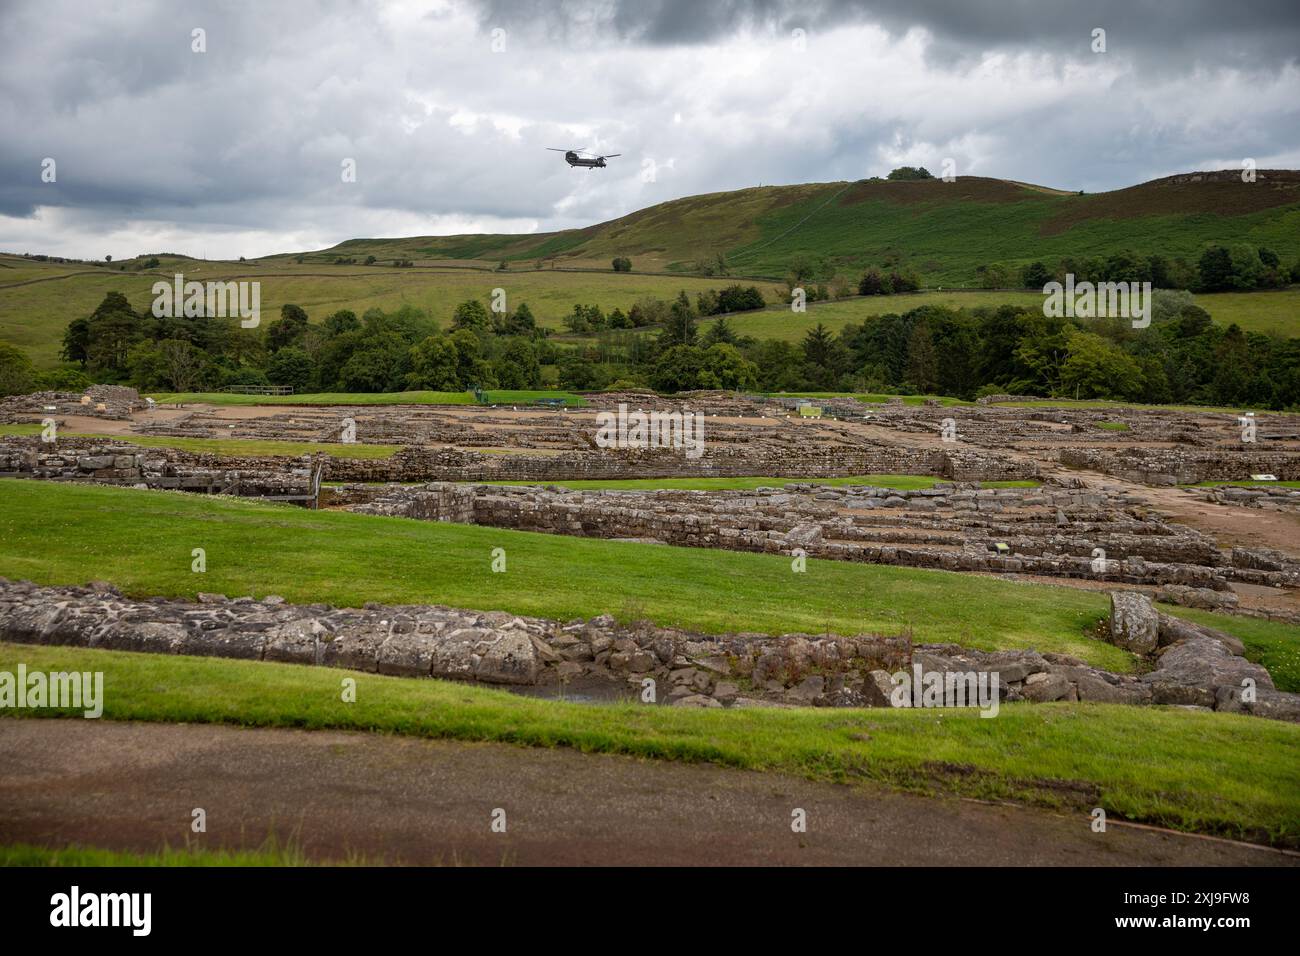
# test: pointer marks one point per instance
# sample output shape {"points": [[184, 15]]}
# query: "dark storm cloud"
{"points": [[1160, 35], [1255, 34]]}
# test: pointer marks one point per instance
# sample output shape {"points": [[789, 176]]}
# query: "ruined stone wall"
{"points": [[1199, 667], [440, 464], [1176, 466], [117, 463], [101, 401], [1265, 497]]}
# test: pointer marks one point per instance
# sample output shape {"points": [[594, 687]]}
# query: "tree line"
{"points": [[679, 345]]}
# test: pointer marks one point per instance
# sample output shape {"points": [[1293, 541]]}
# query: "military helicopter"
{"points": [[575, 157]]}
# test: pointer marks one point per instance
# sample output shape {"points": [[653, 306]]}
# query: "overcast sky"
{"points": [[447, 107]]}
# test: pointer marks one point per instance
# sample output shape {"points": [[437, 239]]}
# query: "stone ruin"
{"points": [[1191, 666], [99, 401], [1165, 466], [1264, 497], [1049, 531], [117, 463]]}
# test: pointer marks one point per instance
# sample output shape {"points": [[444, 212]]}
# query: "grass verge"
{"points": [[1219, 773], [271, 854]]}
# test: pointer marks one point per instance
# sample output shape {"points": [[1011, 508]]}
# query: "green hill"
{"points": [[941, 230]]}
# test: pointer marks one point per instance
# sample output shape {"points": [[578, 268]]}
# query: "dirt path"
{"points": [[393, 799]]}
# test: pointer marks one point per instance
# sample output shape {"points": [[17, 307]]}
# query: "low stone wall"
{"points": [[117, 463], [1197, 668]]}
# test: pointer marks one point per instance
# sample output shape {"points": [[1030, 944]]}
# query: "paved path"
{"points": [[393, 799]]}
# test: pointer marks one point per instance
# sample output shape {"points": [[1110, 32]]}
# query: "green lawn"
{"points": [[1219, 773]]}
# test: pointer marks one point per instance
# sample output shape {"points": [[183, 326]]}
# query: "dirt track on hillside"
{"points": [[400, 800]]}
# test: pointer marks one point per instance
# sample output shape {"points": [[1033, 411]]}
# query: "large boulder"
{"points": [[1205, 664], [1134, 622]]}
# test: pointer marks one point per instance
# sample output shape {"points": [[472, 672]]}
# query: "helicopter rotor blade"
{"points": [[611, 155]]}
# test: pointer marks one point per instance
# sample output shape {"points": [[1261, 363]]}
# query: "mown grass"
{"points": [[142, 541], [1219, 773], [900, 482]]}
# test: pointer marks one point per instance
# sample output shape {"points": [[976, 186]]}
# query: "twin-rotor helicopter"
{"points": [[580, 157]]}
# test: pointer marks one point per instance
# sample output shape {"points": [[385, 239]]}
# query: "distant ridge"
{"points": [[942, 230]]}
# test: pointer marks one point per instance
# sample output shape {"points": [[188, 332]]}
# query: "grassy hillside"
{"points": [[1276, 312], [942, 230]]}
